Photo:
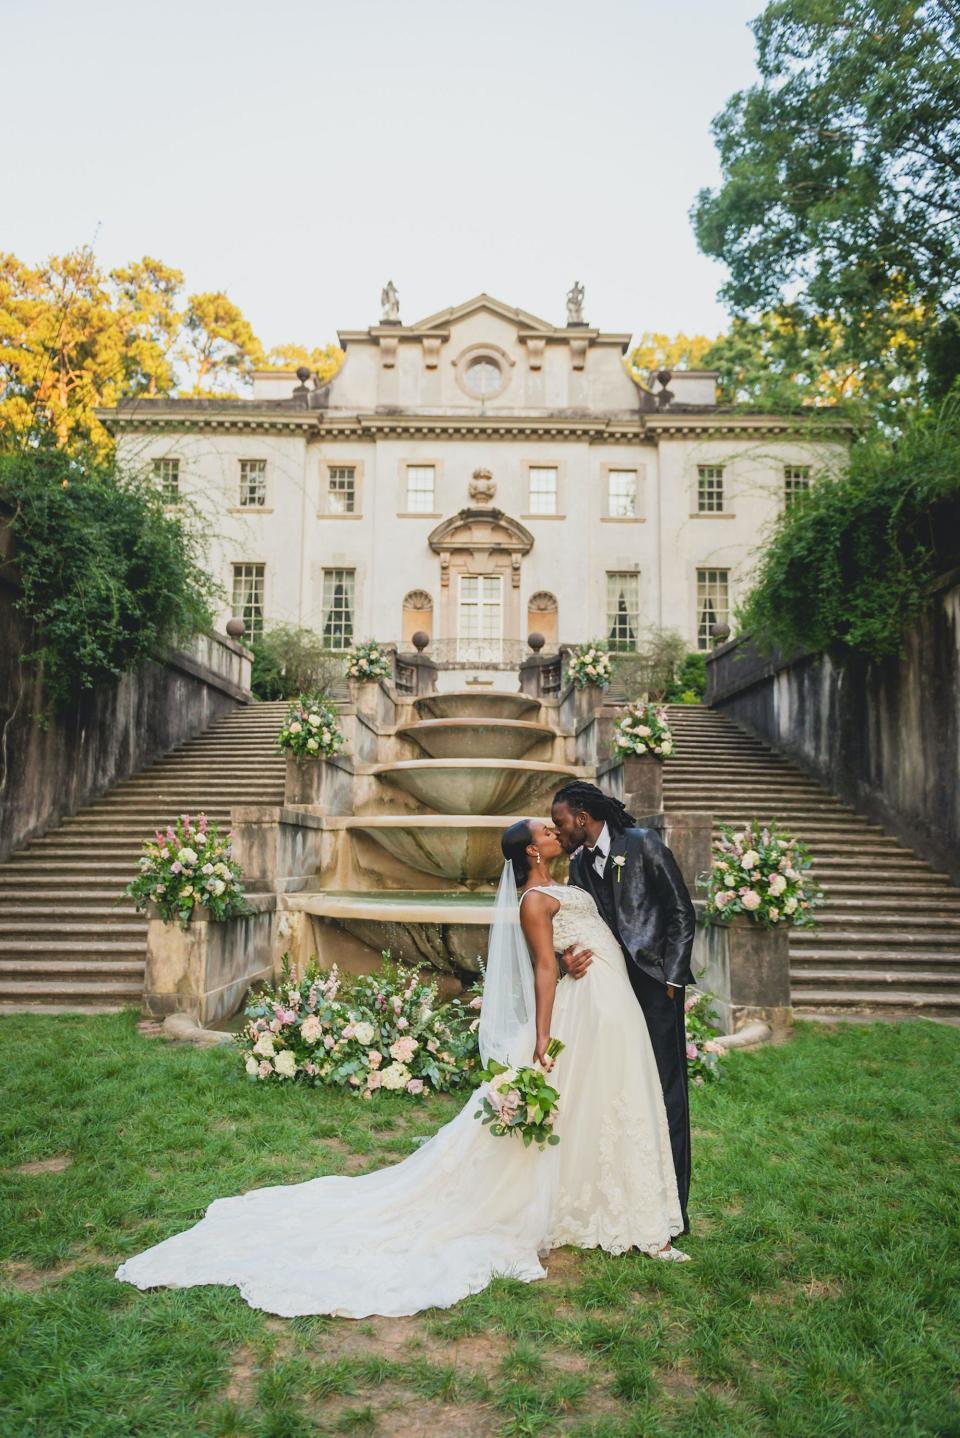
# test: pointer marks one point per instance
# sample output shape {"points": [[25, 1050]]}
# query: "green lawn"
{"points": [[824, 1299]]}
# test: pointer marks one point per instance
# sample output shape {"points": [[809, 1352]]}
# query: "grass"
{"points": [[824, 1300]]}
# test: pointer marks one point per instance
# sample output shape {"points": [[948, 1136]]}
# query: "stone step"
{"points": [[15, 1010], [878, 956], [930, 1001], [28, 948], [119, 879], [74, 968], [77, 909], [832, 919], [849, 903], [76, 989], [854, 978], [57, 927]]}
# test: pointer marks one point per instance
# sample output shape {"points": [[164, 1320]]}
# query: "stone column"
{"points": [[643, 783], [324, 786], [688, 836], [206, 969]]}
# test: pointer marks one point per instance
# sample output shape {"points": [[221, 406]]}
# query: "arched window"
{"points": [[543, 615], [417, 614]]}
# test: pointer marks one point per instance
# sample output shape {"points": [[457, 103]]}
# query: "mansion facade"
{"points": [[479, 475]]}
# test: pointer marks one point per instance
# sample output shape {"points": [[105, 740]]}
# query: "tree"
{"points": [[219, 343], [840, 198], [324, 363], [147, 294], [657, 351]]}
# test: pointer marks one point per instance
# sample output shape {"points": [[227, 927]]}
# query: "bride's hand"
{"points": [[540, 1054]]}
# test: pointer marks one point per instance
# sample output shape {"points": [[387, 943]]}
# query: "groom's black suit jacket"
{"points": [[647, 905]]}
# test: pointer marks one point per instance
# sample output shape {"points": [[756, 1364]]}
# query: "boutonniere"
{"points": [[619, 860]]}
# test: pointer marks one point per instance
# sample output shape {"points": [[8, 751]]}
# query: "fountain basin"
{"points": [[478, 786], [475, 704], [443, 931], [477, 738], [463, 850]]}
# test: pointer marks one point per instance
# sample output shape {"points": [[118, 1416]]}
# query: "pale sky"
{"points": [[298, 154]]}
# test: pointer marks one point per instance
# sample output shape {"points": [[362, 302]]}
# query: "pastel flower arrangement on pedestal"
{"points": [[311, 729], [643, 729], [761, 871], [368, 661], [187, 866], [382, 1032], [590, 664]]}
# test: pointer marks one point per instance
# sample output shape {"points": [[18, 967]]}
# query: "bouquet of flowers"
{"points": [[368, 661], [643, 729], [520, 1101], [382, 1031], [311, 729], [188, 865], [763, 872], [590, 664], [703, 1052]]}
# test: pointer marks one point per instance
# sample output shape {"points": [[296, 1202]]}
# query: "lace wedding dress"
{"points": [[465, 1206]]}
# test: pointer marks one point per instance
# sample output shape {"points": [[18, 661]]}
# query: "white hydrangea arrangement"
{"points": [[187, 866], [643, 729], [761, 871], [311, 729], [590, 664], [368, 661], [382, 1032]]}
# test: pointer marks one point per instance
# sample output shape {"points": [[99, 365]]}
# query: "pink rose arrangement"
{"points": [[762, 871], [311, 729], [704, 1054], [643, 729], [189, 864]]}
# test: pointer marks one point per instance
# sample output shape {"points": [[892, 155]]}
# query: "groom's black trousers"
{"points": [[665, 1022]]}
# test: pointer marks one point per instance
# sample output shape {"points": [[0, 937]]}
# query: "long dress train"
{"points": [[465, 1207]]}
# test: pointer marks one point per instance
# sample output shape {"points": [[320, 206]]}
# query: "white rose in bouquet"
{"points": [[312, 744], [750, 859], [251, 1065], [187, 856], [364, 1033], [264, 1046], [313, 720], [395, 1076], [285, 1063], [295, 727]]}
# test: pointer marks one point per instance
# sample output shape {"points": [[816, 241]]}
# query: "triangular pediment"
{"points": [[484, 303], [486, 529]]}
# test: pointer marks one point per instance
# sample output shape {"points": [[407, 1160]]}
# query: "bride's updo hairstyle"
{"points": [[514, 848]]}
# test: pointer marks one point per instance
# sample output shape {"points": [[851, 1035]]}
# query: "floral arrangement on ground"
{"points": [[368, 661], [379, 1032], [590, 664], [643, 729], [762, 871], [189, 865], [311, 729], [386, 1032]]}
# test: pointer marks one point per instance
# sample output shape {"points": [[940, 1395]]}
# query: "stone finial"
{"points": [[482, 486], [536, 641], [720, 633], [420, 640], [236, 628], [575, 297], [664, 396], [389, 304]]}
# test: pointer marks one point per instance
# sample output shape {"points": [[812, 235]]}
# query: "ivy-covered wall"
{"points": [[884, 736]]}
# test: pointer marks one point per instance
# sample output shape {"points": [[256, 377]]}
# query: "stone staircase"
{"points": [[65, 943], [888, 938]]}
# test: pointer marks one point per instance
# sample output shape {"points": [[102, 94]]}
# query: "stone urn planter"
{"points": [[643, 783], [747, 968]]}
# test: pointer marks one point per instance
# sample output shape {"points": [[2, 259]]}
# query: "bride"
{"points": [[468, 1206]]}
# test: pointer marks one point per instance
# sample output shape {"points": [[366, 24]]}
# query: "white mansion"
{"points": [[478, 475]]}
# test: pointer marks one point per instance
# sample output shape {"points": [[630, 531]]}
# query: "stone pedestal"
{"points": [[278, 848], [324, 786], [643, 784], [688, 836], [206, 969], [747, 968]]}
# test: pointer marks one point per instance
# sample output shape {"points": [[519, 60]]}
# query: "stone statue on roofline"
{"points": [[389, 304], [575, 304]]}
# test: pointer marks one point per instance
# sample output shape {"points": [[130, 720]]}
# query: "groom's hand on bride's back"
{"points": [[576, 964]]}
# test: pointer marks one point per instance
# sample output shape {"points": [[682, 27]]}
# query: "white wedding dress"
{"points": [[466, 1206]]}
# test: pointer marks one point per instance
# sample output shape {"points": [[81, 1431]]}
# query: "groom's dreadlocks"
{"points": [[580, 795]]}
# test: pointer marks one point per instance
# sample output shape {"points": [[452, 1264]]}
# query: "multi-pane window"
{"points": [[713, 603], [543, 490], [253, 483], [623, 608], [248, 585], [481, 618], [796, 481], [623, 493], [421, 479], [166, 474], [341, 489], [338, 597], [710, 488]]}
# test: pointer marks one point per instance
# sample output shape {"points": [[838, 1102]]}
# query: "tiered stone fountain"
{"points": [[406, 853]]}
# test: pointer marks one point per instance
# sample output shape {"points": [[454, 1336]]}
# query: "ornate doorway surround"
{"points": [[480, 544]]}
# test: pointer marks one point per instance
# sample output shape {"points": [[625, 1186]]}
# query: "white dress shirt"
{"points": [[601, 850]]}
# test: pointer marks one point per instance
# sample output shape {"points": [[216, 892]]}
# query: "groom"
{"points": [[641, 895]]}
